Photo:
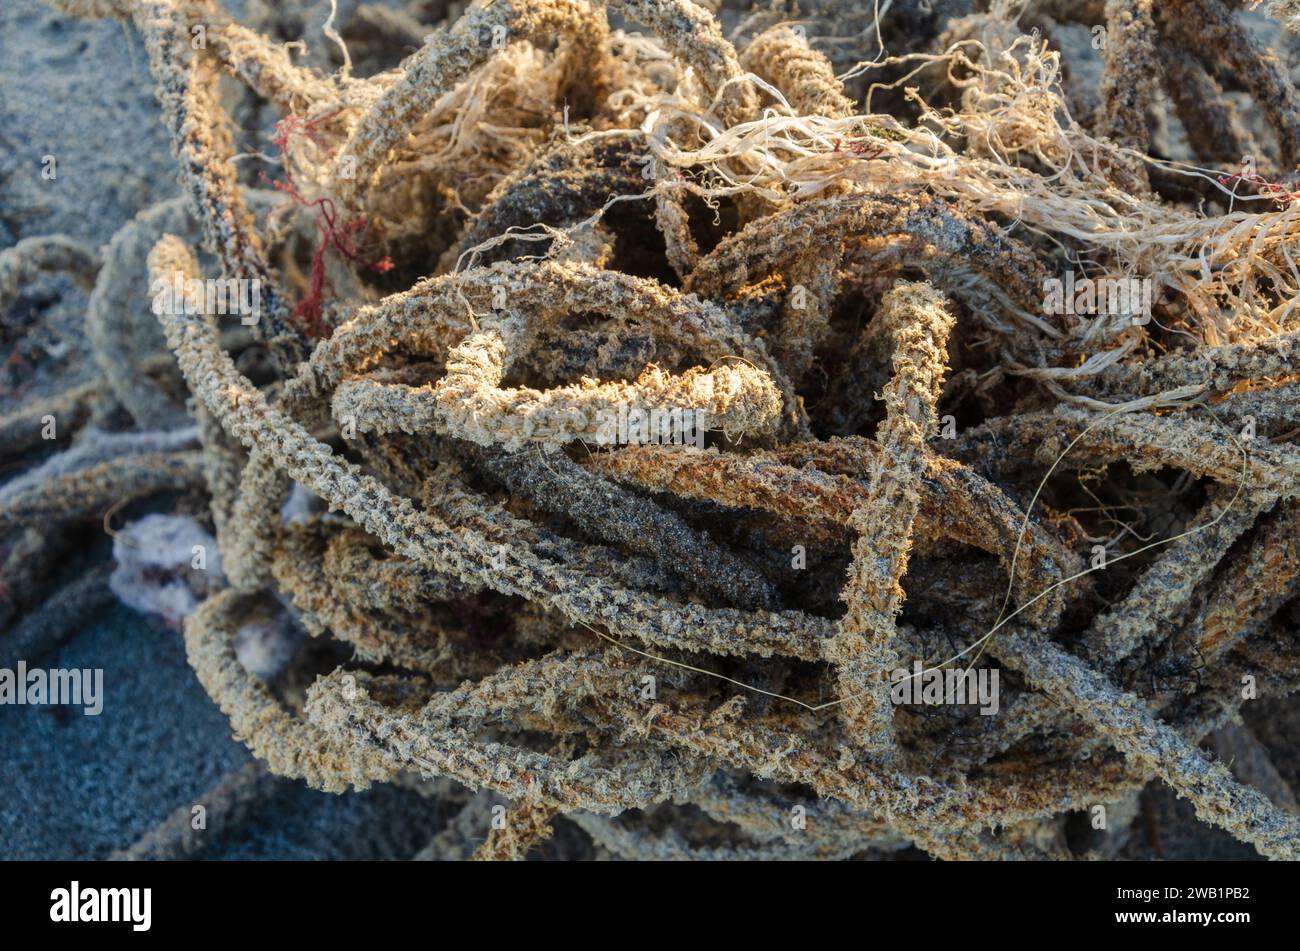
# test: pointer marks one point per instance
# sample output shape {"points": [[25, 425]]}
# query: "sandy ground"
{"points": [[81, 786]]}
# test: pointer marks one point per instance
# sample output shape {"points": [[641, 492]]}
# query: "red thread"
{"points": [[1283, 195], [336, 234]]}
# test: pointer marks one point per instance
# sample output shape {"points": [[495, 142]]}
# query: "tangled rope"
{"points": [[687, 650]]}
